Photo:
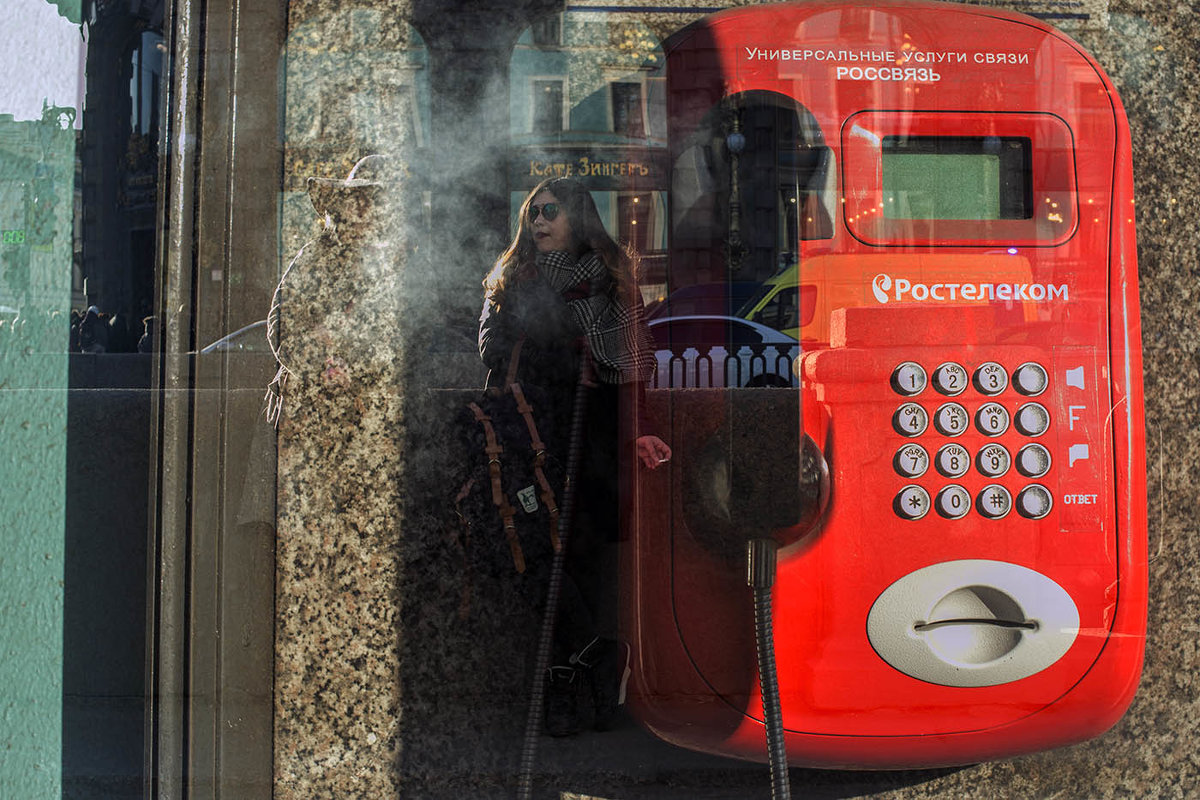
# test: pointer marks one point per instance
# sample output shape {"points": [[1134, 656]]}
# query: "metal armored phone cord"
{"points": [[743, 505], [537, 694], [760, 576]]}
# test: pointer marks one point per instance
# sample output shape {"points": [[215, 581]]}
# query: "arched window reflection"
{"points": [[587, 99]]}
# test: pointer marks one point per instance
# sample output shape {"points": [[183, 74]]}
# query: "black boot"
{"points": [[563, 686], [607, 665]]}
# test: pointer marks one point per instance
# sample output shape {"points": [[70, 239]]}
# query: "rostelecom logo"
{"points": [[887, 289], [880, 287]]}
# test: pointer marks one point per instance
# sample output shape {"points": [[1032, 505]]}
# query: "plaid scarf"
{"points": [[616, 330]]}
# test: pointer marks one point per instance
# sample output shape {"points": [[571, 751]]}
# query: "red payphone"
{"points": [[951, 188]]}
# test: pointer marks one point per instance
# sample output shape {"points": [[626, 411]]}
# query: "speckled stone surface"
{"points": [[338, 575], [384, 689]]}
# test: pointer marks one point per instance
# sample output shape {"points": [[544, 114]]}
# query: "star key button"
{"points": [[912, 502]]}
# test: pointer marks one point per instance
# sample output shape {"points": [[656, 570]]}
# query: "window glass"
{"points": [[197, 598]]}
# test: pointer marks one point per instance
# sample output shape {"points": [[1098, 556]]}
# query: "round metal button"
{"points": [[950, 378], [953, 460], [990, 379], [953, 502], [994, 502], [991, 419], [909, 379], [1034, 502], [1032, 419], [911, 461], [1030, 379], [993, 461], [910, 420], [1033, 461], [951, 419], [912, 502]]}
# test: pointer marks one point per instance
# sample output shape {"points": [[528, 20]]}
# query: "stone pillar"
{"points": [[337, 672]]}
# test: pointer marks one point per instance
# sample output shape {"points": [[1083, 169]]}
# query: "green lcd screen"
{"points": [[956, 178]]}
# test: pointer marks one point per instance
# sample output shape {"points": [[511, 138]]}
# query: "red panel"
{"points": [[1062, 294]]}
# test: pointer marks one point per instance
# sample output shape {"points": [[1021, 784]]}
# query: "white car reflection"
{"points": [[250, 339], [718, 352]]}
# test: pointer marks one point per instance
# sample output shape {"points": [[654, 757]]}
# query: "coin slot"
{"points": [[974, 625], [972, 622]]}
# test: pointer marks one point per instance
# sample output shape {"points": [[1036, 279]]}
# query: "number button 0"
{"points": [[950, 379], [911, 461], [953, 460], [990, 379], [953, 502], [909, 379], [910, 420]]}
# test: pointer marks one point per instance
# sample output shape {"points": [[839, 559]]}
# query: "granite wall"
{"points": [[386, 687]]}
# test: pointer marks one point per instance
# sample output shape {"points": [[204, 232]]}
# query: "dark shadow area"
{"points": [[104, 613], [469, 639]]}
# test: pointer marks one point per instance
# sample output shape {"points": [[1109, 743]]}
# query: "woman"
{"points": [[564, 291]]}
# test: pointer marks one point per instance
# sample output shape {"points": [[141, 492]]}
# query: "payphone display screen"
{"points": [[956, 177]]}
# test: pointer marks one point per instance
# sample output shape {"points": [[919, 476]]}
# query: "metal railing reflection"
{"points": [[685, 366]]}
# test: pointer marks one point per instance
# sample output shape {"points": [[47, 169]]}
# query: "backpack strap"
{"points": [[514, 361], [539, 458], [493, 449]]}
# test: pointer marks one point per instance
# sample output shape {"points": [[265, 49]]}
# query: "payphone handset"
{"points": [[975, 584]]}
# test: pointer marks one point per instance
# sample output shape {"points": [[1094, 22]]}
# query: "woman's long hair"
{"points": [[587, 233]]}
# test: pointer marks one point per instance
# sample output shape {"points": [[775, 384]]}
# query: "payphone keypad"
{"points": [[951, 460]]}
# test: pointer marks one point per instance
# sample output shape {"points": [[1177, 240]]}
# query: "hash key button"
{"points": [[994, 502]]}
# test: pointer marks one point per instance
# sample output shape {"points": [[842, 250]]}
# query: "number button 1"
{"points": [[909, 379]]}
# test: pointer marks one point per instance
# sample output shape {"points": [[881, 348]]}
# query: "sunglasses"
{"points": [[548, 210]]}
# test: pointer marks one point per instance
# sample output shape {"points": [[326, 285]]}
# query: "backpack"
{"points": [[507, 505]]}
